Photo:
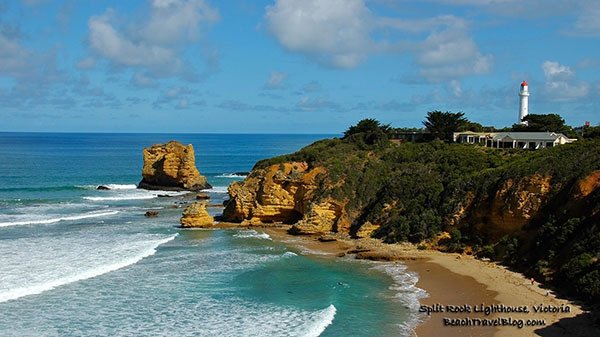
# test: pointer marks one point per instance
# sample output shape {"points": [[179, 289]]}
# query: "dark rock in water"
{"points": [[226, 201], [241, 173], [202, 196], [327, 238], [103, 188], [164, 196], [151, 214], [171, 167]]}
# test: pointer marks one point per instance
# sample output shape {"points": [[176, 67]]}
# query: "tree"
{"points": [[370, 131], [472, 126], [541, 123], [443, 124], [591, 132]]}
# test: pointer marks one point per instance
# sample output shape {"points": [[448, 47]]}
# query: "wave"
{"points": [[132, 195], [58, 219], [110, 186], [231, 175], [67, 188], [407, 292], [252, 234], [120, 198], [217, 189], [289, 254], [35, 289], [321, 320]]}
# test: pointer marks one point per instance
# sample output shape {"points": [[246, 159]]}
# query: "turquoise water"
{"points": [[76, 261]]}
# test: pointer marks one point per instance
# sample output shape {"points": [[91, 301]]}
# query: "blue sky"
{"points": [[291, 66]]}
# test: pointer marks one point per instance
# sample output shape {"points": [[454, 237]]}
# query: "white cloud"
{"points": [[105, 40], [155, 43], [556, 71], [173, 21], [451, 53], [561, 84], [343, 33], [332, 32], [306, 103], [276, 80]]}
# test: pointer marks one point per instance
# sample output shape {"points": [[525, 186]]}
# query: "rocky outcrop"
{"points": [[509, 209], [588, 185], [171, 166], [195, 215], [284, 193]]}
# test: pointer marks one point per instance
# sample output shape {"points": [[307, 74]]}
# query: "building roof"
{"points": [[544, 136]]}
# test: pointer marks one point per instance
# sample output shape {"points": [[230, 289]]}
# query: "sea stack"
{"points": [[171, 167], [195, 215]]}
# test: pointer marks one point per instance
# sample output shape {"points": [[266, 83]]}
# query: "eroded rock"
{"points": [[195, 215], [171, 166]]}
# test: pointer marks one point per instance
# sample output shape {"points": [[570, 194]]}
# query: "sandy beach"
{"points": [[466, 286]]}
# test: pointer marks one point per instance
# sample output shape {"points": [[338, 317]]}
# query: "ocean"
{"points": [[76, 261]]}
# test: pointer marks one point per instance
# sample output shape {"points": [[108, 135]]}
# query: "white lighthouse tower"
{"points": [[523, 102]]}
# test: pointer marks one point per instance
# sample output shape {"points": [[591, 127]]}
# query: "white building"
{"points": [[513, 140]]}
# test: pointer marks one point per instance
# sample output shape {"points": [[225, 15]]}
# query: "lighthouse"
{"points": [[523, 102]]}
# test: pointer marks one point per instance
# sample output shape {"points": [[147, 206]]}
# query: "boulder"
{"points": [[171, 166], [151, 214], [103, 188], [195, 215], [202, 196]]}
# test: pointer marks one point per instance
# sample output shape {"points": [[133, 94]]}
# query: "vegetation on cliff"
{"points": [[538, 211]]}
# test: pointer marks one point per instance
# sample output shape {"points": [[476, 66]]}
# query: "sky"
{"points": [[291, 66]]}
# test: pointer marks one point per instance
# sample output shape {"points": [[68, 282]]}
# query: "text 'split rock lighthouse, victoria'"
{"points": [[524, 102]]}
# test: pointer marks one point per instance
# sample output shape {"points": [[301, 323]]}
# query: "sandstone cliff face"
{"points": [[507, 210], [195, 215], [171, 166], [284, 193], [588, 185], [290, 193]]}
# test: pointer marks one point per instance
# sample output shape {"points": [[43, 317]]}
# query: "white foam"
{"points": [[407, 292], [131, 194], [38, 221], [289, 254], [231, 175], [121, 186], [217, 189], [319, 322], [252, 234], [23, 278], [111, 186], [121, 198]]}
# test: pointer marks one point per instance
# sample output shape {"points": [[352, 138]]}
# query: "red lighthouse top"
{"points": [[524, 84]]}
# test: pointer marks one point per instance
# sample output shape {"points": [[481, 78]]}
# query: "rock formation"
{"points": [[171, 166], [284, 193], [195, 215]]}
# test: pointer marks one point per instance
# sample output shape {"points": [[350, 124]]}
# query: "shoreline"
{"points": [[456, 280]]}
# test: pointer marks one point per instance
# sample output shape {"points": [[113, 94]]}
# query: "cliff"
{"points": [[538, 211], [284, 193], [171, 166]]}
